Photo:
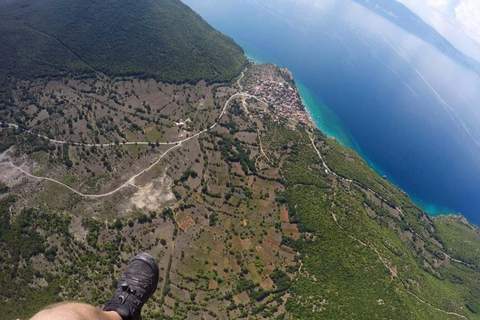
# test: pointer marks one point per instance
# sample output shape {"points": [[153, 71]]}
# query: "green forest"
{"points": [[262, 217], [161, 39]]}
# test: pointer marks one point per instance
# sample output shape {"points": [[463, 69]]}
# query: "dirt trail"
{"points": [[383, 260], [262, 152], [447, 312], [79, 144], [131, 180], [380, 198], [240, 79]]}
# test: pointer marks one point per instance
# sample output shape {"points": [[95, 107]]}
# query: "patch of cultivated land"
{"points": [[259, 217], [101, 119]]}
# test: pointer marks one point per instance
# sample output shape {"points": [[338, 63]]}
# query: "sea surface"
{"points": [[405, 107]]}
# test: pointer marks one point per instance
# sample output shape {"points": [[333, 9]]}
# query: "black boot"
{"points": [[137, 284]]}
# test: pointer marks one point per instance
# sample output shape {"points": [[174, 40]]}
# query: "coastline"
{"points": [[329, 123], [321, 115]]}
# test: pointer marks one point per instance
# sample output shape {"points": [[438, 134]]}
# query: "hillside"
{"points": [[260, 216], [135, 126], [163, 39]]}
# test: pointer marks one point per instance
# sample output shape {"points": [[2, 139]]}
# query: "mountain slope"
{"points": [[260, 217], [163, 39], [250, 211]]}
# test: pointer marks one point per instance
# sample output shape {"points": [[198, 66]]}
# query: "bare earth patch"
{"points": [[290, 230], [197, 198], [284, 214], [241, 298], [212, 284], [267, 284], [153, 194], [271, 243], [184, 221], [264, 254]]}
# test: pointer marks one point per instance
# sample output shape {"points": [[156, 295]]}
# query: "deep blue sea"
{"points": [[410, 111]]}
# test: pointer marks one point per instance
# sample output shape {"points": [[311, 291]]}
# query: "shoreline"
{"points": [[347, 141], [317, 116]]}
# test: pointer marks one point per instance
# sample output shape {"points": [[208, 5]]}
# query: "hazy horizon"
{"points": [[410, 107], [458, 21]]}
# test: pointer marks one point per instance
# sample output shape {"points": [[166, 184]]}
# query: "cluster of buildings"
{"points": [[282, 96]]}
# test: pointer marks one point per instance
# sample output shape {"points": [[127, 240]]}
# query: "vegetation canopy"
{"points": [[163, 39]]}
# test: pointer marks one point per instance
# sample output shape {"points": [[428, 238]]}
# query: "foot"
{"points": [[137, 284]]}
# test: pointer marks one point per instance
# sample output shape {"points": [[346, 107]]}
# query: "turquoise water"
{"points": [[409, 110], [255, 54], [328, 122], [324, 118]]}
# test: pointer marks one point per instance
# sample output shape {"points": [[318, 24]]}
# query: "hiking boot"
{"points": [[137, 284]]}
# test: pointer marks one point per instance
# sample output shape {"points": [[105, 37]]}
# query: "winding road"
{"points": [[329, 171], [131, 180]]}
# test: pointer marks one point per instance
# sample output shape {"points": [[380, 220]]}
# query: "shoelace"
{"points": [[126, 288]]}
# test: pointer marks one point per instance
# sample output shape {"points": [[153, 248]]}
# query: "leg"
{"points": [[137, 284], [75, 311]]}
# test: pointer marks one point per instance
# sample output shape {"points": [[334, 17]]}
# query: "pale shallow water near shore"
{"points": [[403, 105], [326, 120]]}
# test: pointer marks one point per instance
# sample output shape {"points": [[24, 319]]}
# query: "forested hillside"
{"points": [[133, 126], [260, 217], [163, 39]]}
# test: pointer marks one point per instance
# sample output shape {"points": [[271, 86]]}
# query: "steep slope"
{"points": [[260, 217], [251, 211], [163, 39]]}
